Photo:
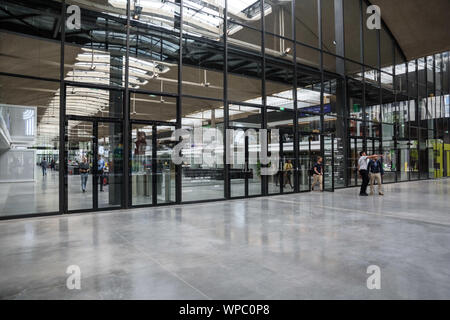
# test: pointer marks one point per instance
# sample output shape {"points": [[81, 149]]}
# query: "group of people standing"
{"points": [[84, 172], [288, 168], [371, 169]]}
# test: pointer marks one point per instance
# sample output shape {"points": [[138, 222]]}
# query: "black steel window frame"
{"points": [[126, 121]]}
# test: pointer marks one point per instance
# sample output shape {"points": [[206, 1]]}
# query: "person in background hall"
{"points": [[100, 168], [44, 165], [52, 164], [84, 173], [317, 174], [376, 171], [363, 164], [288, 168]]}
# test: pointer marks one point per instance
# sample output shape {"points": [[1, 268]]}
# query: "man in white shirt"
{"points": [[363, 163]]}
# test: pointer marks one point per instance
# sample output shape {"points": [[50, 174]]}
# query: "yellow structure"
{"points": [[441, 151]]}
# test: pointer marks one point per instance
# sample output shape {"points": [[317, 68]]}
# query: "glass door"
{"points": [[152, 170], [356, 146], [245, 167], [141, 164], [79, 165], [446, 160], [109, 175], [305, 162], [288, 160], [403, 160], [94, 164], [164, 167], [328, 162]]}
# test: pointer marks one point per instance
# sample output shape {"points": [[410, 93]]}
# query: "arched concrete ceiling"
{"points": [[421, 27]]}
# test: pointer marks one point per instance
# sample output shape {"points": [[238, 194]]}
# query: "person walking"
{"points": [[84, 173], [376, 171], [318, 174], [363, 164], [100, 168], [288, 168], [52, 164], [44, 166]]}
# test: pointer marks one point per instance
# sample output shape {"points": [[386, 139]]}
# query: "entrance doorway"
{"points": [[245, 169], [94, 164], [356, 146], [152, 170], [309, 152]]}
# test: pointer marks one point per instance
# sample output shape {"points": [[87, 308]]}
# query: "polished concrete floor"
{"points": [[303, 246]]}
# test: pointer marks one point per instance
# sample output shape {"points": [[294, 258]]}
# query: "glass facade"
{"points": [[91, 93]]}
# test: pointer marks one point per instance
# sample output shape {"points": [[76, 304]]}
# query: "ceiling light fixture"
{"points": [[137, 12], [286, 52]]}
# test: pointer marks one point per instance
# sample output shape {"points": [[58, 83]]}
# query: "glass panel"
{"points": [[279, 20], [154, 48], [328, 163], [339, 160], [328, 26], [414, 160], [403, 160], [202, 172], [141, 164], [287, 159], [430, 76], [306, 24], [355, 98], [152, 107], [37, 54], [370, 42], [254, 165], [412, 79], [93, 102], [247, 12], [244, 116], [352, 166], [202, 69], [438, 69], [278, 48], [243, 37], [246, 164], [95, 50], [238, 166], [80, 162], [352, 21], [202, 19], [241, 70], [165, 168], [446, 71], [387, 51], [308, 123], [433, 167], [29, 146], [309, 57], [279, 87], [389, 157], [305, 163], [110, 164], [356, 128], [283, 121]]}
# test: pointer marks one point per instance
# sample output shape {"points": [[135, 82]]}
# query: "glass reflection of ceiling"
{"points": [[199, 16]]}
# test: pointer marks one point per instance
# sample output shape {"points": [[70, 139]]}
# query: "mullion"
{"points": [[154, 164]]}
